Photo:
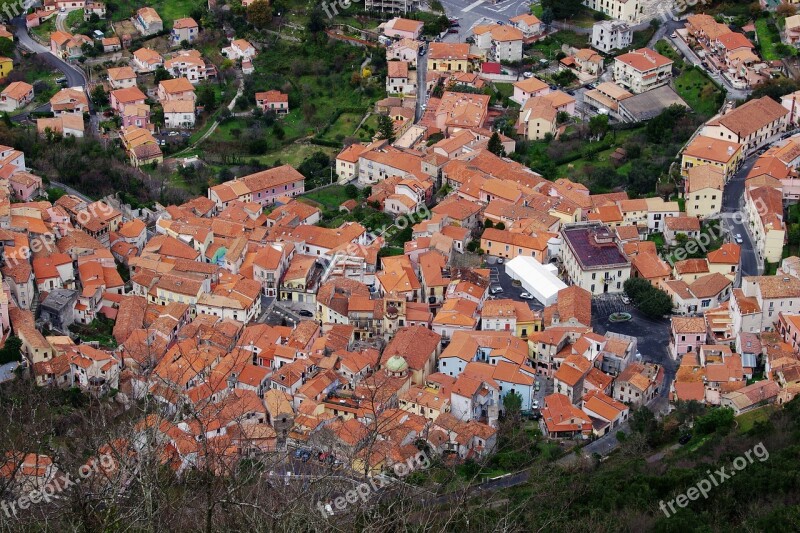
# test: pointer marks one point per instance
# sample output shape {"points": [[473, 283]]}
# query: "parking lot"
{"points": [[499, 278]]}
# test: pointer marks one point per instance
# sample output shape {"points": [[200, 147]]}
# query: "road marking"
{"points": [[472, 6]]}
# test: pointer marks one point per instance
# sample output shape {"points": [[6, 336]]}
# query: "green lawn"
{"points": [[506, 90], [294, 154], [663, 48], [168, 10], [548, 47], [747, 420], [767, 39], [44, 30], [330, 197], [694, 86], [345, 126]]}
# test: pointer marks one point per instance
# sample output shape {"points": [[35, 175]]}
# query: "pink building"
{"points": [[26, 186], [125, 97], [136, 115], [403, 28], [687, 334], [262, 187]]}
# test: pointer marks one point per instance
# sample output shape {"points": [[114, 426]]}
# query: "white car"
{"points": [[738, 238], [526, 296], [496, 290], [500, 260], [527, 75], [625, 300], [674, 35], [535, 404]]}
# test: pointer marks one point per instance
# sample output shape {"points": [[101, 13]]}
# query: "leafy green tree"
{"points": [[351, 191], [488, 223], [496, 145], [259, 14], [6, 47], [562, 9], [720, 420], [161, 74], [316, 22], [385, 128], [512, 403], [366, 192], [598, 126], [11, 350], [206, 97], [500, 226], [547, 16], [99, 96]]}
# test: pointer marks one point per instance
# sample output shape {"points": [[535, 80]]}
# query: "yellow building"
{"points": [[503, 243], [448, 57], [536, 120], [616, 9], [726, 156], [6, 66], [703, 194]]}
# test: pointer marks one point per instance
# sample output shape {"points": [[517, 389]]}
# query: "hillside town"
{"points": [[505, 238]]}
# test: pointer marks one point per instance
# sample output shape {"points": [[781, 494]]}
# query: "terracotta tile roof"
{"points": [[704, 177], [682, 324], [183, 23], [682, 223], [691, 266], [644, 59], [729, 254], [650, 266], [453, 51], [751, 116], [711, 149]]}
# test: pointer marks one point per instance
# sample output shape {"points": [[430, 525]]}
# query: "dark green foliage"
{"points": [[11, 350]]}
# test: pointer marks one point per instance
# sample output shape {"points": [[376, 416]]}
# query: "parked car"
{"points": [[535, 404], [527, 74], [454, 24], [500, 260], [538, 385], [305, 456], [306, 313], [626, 300], [738, 238], [673, 35], [452, 30], [496, 290], [684, 439], [526, 296]]}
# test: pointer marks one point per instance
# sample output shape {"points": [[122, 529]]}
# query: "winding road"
{"points": [[75, 76]]}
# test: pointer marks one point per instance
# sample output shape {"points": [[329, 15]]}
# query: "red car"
{"points": [[452, 30]]}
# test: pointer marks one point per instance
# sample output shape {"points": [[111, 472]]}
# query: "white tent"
{"points": [[535, 278]]}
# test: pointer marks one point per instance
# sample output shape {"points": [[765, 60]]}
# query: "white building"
{"points": [[537, 279], [642, 70], [610, 35], [592, 258]]}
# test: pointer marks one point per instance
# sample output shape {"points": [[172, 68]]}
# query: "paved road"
{"points": [[75, 76], [472, 13], [422, 93], [70, 190], [61, 22], [735, 221], [652, 335]]}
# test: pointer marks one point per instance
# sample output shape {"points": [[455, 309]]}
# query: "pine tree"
{"points": [[496, 145]]}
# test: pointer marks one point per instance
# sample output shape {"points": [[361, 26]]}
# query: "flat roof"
{"points": [[591, 253], [538, 276], [650, 104]]}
